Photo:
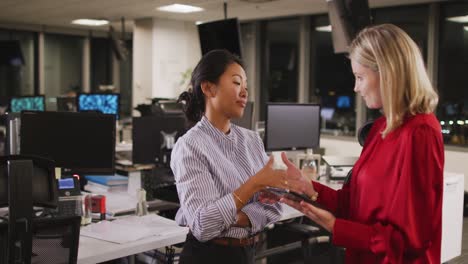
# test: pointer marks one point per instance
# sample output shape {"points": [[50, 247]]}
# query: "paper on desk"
{"points": [[115, 233], [159, 225], [132, 228]]}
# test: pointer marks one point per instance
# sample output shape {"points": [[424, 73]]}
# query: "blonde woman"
{"points": [[390, 210]]}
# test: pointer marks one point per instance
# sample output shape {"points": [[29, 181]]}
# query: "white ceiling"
{"points": [[62, 12]]}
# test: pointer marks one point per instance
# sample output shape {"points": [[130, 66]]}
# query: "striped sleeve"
{"points": [[206, 213], [261, 215]]}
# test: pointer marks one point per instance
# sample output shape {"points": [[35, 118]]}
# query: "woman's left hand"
{"points": [[319, 216]]}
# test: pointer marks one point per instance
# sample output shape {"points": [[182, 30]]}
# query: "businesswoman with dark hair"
{"points": [[390, 211], [220, 168]]}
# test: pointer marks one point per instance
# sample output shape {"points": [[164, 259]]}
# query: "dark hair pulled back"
{"points": [[210, 68]]}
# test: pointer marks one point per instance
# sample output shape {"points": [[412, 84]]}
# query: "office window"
{"points": [[63, 64], [453, 78], [331, 82], [413, 20], [279, 71], [19, 79]]}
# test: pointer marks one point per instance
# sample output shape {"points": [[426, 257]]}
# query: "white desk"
{"points": [[94, 250]]}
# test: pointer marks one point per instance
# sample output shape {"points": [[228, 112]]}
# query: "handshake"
{"points": [[286, 181]]}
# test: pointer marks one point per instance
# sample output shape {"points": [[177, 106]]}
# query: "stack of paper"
{"points": [[132, 228]]}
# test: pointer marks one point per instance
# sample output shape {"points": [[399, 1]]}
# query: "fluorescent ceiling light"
{"points": [[466, 28], [199, 23], [324, 28], [459, 19], [90, 22], [178, 8]]}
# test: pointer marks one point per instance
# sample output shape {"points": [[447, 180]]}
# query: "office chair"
{"points": [[3, 242], [55, 240]]}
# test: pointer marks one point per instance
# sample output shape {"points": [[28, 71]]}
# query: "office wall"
{"points": [[176, 49], [455, 161], [142, 61], [163, 50]]}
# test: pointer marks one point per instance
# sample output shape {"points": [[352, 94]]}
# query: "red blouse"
{"points": [[391, 209]]}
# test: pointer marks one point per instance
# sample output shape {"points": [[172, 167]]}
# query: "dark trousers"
{"points": [[196, 252]]}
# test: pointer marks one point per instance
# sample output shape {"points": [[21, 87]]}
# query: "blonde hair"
{"points": [[404, 84]]}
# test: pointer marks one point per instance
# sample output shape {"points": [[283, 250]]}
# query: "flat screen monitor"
{"points": [[154, 136], [77, 142], [326, 113], [246, 120], [66, 104], [27, 103], [343, 102], [44, 186], [106, 103], [292, 126], [221, 34]]}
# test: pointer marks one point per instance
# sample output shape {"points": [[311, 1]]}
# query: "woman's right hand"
{"points": [[268, 177], [295, 181]]}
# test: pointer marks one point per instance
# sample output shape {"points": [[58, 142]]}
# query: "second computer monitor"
{"points": [[154, 137], [106, 103], [27, 103], [292, 126]]}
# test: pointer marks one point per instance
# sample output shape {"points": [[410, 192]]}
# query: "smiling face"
{"points": [[367, 84], [229, 95]]}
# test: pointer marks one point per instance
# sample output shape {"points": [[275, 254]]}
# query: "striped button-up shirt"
{"points": [[208, 166]]}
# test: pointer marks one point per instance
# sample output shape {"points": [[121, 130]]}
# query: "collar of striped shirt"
{"points": [[206, 125]]}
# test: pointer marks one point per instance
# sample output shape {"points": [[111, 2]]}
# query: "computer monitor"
{"points": [[77, 142], [27, 103], [292, 126], [246, 120], [66, 104], [326, 113], [343, 102], [221, 34], [106, 103], [44, 186], [154, 137]]}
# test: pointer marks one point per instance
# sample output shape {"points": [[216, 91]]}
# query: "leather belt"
{"points": [[236, 242]]}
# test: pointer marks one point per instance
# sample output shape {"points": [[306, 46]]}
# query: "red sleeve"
{"points": [[415, 214], [335, 201]]}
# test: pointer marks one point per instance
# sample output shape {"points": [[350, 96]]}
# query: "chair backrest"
{"points": [[3, 242], [55, 240]]}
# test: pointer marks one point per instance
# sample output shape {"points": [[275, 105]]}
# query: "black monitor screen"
{"points": [[152, 135], [343, 101], [222, 34], [246, 120], [104, 103], [80, 142], [292, 126], [27, 103]]}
